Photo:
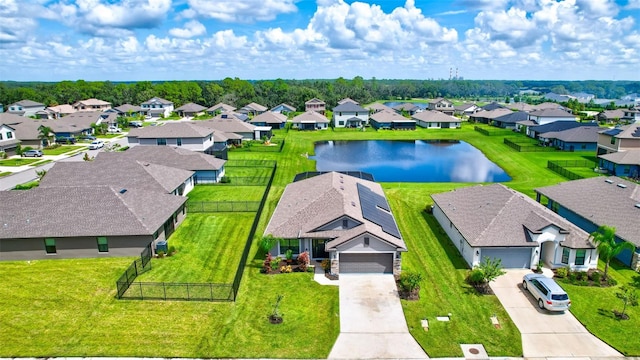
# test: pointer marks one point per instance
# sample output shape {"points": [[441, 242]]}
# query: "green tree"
{"points": [[629, 297], [45, 134], [608, 248], [491, 269]]}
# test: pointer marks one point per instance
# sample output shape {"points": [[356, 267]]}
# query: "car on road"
{"points": [[87, 137], [547, 292], [113, 129], [96, 144], [135, 124], [66, 140], [32, 153]]}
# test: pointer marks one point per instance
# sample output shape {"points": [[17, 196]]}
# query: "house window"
{"points": [[345, 223], [627, 169], [340, 113], [613, 140], [555, 207], [103, 246], [580, 255], [9, 135], [179, 141], [341, 123], [565, 255], [293, 244], [161, 141], [1, 136], [50, 246], [366, 242]]}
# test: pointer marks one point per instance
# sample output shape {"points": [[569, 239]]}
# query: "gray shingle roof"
{"points": [[378, 107], [157, 100], [386, 116], [310, 117], [552, 113], [602, 203], [434, 116], [269, 118], [286, 106], [255, 107], [577, 134], [27, 103], [191, 107], [119, 171], [309, 204], [180, 129], [228, 125], [88, 211], [513, 118], [624, 132], [406, 107], [630, 157], [496, 216], [221, 107], [167, 156], [350, 107]]}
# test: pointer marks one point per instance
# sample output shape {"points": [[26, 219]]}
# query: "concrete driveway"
{"points": [[544, 333], [372, 324]]}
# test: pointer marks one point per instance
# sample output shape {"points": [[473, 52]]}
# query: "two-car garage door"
{"points": [[370, 263], [512, 258]]}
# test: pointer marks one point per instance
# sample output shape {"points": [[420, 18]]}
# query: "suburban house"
{"points": [[316, 105], [593, 202], [351, 115], [620, 138], [465, 109], [91, 105], [534, 131], [310, 120], [492, 106], [487, 116], [60, 110], [521, 106], [408, 108], [79, 123], [621, 163], [631, 116], [26, 108], [234, 128], [219, 108], [275, 120], [546, 116], [391, 120], [76, 124], [25, 130], [157, 107], [283, 109], [610, 116], [8, 139], [253, 109], [581, 138], [98, 221], [549, 105], [442, 105], [510, 120], [346, 100], [185, 135], [127, 110], [432, 119], [207, 168], [377, 107], [190, 110], [338, 217], [497, 222]]}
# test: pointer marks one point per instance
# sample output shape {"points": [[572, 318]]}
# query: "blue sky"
{"points": [[131, 40]]}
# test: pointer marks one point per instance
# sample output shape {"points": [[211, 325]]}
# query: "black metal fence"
{"points": [[250, 163], [254, 147], [137, 267], [222, 206], [180, 291], [560, 167], [527, 146]]}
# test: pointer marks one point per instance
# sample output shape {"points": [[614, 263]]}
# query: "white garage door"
{"points": [[512, 258], [366, 263]]}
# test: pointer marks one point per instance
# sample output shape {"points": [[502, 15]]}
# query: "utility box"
{"points": [[161, 246]]}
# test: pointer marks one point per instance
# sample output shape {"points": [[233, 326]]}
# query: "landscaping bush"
{"points": [[303, 261], [326, 265], [275, 263], [409, 285], [581, 275], [596, 276], [475, 277], [562, 272], [3, 155], [52, 146], [266, 265]]}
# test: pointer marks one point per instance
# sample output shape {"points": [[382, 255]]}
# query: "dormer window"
{"points": [[366, 242], [345, 223]]}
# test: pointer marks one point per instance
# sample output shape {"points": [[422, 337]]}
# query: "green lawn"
{"points": [[5, 173], [67, 307], [62, 149], [18, 161]]}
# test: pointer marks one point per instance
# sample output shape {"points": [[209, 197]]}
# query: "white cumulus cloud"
{"points": [[242, 11], [191, 29]]}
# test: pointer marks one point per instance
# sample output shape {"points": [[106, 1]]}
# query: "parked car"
{"points": [[547, 292], [135, 124], [96, 144], [113, 129], [66, 140], [32, 153], [87, 137]]}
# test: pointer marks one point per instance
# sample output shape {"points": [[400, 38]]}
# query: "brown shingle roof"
{"points": [[269, 118], [180, 129], [310, 117], [434, 116], [191, 107], [601, 202], [168, 156], [496, 216]]}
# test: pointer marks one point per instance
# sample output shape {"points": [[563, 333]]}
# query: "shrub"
{"points": [[612, 282], [596, 276], [286, 269], [410, 281], [266, 265], [52, 146], [571, 276], [268, 242], [275, 263], [3, 155], [225, 180], [289, 254], [562, 272], [303, 261], [326, 265], [160, 254], [581, 275], [475, 277], [172, 250]]}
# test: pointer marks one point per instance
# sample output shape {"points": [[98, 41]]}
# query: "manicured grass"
{"points": [[18, 161], [5, 173], [62, 149], [208, 247], [594, 306], [109, 136], [226, 192]]}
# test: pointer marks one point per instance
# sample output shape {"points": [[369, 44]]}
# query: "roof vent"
{"points": [[122, 191], [341, 187], [353, 203], [608, 181], [638, 206], [622, 186]]}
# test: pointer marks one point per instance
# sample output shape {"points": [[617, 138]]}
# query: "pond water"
{"points": [[395, 103], [409, 161]]}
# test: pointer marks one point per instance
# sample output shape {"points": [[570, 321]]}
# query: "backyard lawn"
{"points": [[18, 162], [62, 149], [68, 307]]}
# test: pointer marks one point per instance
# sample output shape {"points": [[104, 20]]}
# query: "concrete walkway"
{"points": [[372, 323], [544, 333]]}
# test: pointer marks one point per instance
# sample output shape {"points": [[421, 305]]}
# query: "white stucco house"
{"points": [[497, 222], [157, 107], [350, 114]]}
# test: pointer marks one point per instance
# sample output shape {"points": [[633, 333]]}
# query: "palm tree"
{"points": [[45, 134], [608, 247]]}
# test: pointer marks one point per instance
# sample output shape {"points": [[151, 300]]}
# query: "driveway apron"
{"points": [[544, 333], [372, 324]]}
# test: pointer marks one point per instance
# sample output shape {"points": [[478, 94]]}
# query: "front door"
{"points": [[318, 249]]}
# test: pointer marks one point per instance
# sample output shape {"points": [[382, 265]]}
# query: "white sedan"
{"points": [[96, 144]]}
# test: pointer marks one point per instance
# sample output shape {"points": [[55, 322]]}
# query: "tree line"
{"points": [[270, 93]]}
